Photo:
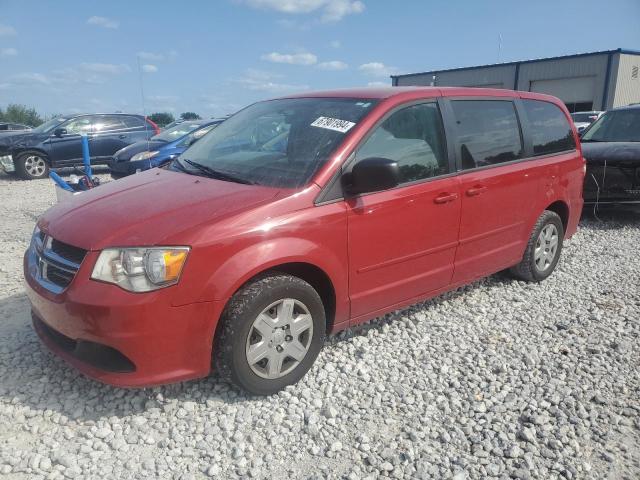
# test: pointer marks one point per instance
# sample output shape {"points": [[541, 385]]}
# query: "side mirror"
{"points": [[58, 132], [372, 175]]}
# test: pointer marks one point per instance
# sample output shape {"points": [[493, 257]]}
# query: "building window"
{"points": [[579, 107]]}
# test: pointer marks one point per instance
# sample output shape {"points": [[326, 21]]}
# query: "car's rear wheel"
{"points": [[543, 249], [32, 165], [271, 333]]}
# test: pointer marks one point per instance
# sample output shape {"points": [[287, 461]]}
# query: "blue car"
{"points": [[159, 149]]}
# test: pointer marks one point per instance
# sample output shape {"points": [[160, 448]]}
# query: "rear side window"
{"points": [[550, 129], [488, 132], [413, 137], [107, 123], [134, 122]]}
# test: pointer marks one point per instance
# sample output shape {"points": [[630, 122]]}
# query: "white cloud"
{"points": [[151, 57], [30, 79], [103, 22], [149, 68], [105, 68], [335, 43], [377, 69], [261, 81], [6, 30], [8, 52], [332, 10], [292, 59], [333, 65], [378, 84]]}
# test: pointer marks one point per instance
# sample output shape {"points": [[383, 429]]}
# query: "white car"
{"points": [[583, 119]]}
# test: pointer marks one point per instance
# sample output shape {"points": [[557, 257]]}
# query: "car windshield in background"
{"points": [[46, 127], [583, 117], [277, 143], [177, 131], [615, 126]]}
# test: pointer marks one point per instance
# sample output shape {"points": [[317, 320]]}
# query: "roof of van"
{"points": [[388, 92]]}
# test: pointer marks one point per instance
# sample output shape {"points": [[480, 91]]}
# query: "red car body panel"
{"points": [[380, 251]]}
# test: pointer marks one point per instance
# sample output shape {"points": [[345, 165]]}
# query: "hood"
{"points": [[614, 153], [21, 139], [148, 208], [129, 151]]}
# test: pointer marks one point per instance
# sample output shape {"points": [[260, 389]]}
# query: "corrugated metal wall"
{"points": [[572, 78], [488, 77], [594, 66], [627, 83]]}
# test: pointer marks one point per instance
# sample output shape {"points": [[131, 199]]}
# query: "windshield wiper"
{"points": [[217, 174]]}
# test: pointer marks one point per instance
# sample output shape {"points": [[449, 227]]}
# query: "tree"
{"points": [[190, 116], [161, 119], [20, 114]]}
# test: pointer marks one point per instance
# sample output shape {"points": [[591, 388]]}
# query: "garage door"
{"points": [[569, 90]]}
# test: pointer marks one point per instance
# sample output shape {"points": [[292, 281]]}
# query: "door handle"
{"points": [[476, 190], [122, 136], [445, 198]]}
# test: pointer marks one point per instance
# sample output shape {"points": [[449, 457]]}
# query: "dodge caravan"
{"points": [[298, 217]]}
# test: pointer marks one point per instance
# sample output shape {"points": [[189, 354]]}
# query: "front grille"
{"points": [[54, 263], [74, 254]]}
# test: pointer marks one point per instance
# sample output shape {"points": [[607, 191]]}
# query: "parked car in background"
{"points": [[583, 119], [611, 147], [57, 143], [160, 148], [9, 127], [297, 217]]}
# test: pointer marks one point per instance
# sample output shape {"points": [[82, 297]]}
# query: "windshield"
{"points": [[46, 127], [278, 143], [584, 117], [177, 131], [615, 126], [196, 135]]}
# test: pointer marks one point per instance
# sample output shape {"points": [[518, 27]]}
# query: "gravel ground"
{"points": [[500, 379]]}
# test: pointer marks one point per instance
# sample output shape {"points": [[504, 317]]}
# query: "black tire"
{"points": [[232, 342], [528, 269], [32, 165]]}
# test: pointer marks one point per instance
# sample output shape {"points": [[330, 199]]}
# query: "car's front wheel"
{"points": [[271, 333], [32, 165]]}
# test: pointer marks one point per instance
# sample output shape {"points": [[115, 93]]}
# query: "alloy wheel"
{"points": [[279, 338], [546, 247]]}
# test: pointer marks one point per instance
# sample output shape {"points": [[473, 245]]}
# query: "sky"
{"points": [[217, 56]]}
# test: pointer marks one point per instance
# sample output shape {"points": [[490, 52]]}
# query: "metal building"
{"points": [[586, 81]]}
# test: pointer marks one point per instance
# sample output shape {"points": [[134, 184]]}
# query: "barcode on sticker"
{"points": [[335, 124]]}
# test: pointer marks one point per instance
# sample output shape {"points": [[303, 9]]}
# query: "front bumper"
{"points": [[121, 338], [6, 163]]}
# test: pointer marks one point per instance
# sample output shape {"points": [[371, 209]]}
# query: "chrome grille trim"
{"points": [[41, 258]]}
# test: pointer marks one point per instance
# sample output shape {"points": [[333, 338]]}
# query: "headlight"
{"points": [[144, 155], [140, 269]]}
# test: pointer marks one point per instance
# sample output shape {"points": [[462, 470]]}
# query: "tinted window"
{"points": [[134, 122], [4, 126], [106, 123], [488, 132], [550, 129], [413, 137]]}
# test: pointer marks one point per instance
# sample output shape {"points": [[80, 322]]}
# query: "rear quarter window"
{"points": [[549, 128]]}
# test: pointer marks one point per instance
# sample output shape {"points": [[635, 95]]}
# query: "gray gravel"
{"points": [[500, 379]]}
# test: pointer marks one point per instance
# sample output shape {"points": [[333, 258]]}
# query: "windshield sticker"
{"points": [[335, 124]]}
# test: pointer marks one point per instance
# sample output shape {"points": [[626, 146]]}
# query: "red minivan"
{"points": [[298, 217]]}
